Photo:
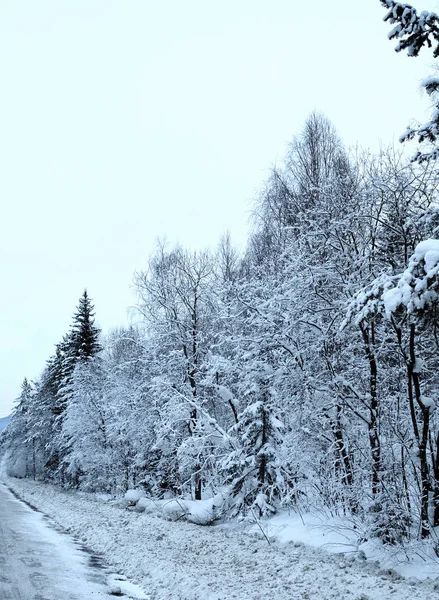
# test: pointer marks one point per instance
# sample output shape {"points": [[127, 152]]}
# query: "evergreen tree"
{"points": [[85, 335], [21, 447], [80, 343]]}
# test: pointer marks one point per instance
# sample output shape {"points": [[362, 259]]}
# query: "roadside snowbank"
{"points": [[180, 560]]}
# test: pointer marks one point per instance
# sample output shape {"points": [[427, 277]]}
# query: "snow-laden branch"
{"points": [[209, 419], [413, 30]]}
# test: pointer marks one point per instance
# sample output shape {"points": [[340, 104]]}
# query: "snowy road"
{"points": [[39, 563]]}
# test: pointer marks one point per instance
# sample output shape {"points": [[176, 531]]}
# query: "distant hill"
{"points": [[3, 422]]}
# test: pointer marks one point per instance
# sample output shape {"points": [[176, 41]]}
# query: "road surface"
{"points": [[39, 563]]}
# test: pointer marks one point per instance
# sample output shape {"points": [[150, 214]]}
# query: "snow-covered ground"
{"points": [[181, 560]]}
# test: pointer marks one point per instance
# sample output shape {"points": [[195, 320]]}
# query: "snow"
{"points": [[133, 496], [119, 586], [430, 82], [427, 402], [415, 288], [225, 393], [342, 537], [145, 505], [202, 512], [174, 510], [428, 251], [171, 560], [419, 365], [392, 299]]}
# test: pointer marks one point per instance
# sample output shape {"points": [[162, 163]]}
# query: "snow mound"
{"points": [[201, 512], [120, 587], [132, 497], [145, 505], [174, 510]]}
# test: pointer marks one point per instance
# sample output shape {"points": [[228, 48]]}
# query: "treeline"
{"points": [[301, 373]]}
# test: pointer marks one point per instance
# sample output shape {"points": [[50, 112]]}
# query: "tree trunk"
{"points": [[436, 486], [374, 439], [263, 462], [343, 461], [34, 470], [423, 440]]}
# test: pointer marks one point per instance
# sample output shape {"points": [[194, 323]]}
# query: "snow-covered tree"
{"points": [[253, 469], [85, 334], [87, 457], [21, 448], [175, 297], [407, 304]]}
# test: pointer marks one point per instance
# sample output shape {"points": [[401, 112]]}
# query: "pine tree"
{"points": [[80, 343], [253, 469], [21, 446], [85, 335]]}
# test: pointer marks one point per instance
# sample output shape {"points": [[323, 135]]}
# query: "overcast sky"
{"points": [[126, 120]]}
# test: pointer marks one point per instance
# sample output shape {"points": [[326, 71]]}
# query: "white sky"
{"points": [[125, 120]]}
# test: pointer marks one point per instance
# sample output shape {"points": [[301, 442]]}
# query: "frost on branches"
{"points": [[413, 30]]}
